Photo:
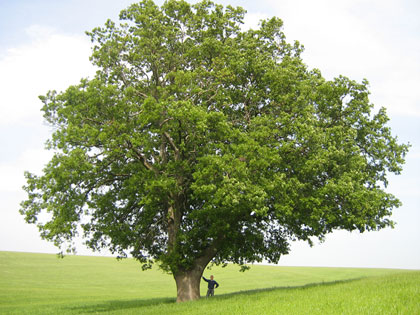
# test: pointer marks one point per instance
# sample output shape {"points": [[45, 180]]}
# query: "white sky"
{"points": [[43, 47]]}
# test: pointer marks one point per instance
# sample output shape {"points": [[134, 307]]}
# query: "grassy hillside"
{"points": [[44, 284]]}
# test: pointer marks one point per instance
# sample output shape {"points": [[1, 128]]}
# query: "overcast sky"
{"points": [[43, 47]]}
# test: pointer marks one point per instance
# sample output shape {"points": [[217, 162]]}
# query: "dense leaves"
{"points": [[197, 141]]}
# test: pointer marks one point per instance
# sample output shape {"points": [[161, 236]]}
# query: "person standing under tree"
{"points": [[212, 283]]}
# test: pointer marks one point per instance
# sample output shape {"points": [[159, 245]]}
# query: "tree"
{"points": [[198, 142]]}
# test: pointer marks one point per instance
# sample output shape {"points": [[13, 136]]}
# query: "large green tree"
{"points": [[198, 142]]}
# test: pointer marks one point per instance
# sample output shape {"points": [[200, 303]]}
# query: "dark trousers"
{"points": [[210, 292]]}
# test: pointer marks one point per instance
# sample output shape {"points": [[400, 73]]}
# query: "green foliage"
{"points": [[43, 284], [197, 142]]}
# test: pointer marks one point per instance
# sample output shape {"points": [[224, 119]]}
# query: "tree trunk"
{"points": [[188, 281], [188, 285]]}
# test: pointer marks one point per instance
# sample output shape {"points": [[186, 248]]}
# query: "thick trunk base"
{"points": [[188, 285]]}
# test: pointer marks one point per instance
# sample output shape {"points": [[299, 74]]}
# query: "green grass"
{"points": [[44, 284]]}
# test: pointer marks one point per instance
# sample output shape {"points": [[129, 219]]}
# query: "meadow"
{"points": [[45, 284]]}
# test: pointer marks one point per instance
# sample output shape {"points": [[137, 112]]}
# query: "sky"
{"points": [[43, 47]]}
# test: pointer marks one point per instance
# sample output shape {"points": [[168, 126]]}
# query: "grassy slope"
{"points": [[42, 284]]}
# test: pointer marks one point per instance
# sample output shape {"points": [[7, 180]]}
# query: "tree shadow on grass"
{"points": [[285, 288], [120, 305]]}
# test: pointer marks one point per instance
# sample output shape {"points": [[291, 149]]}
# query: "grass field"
{"points": [[44, 284]]}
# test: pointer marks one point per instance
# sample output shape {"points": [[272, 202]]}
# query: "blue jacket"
{"points": [[211, 283]]}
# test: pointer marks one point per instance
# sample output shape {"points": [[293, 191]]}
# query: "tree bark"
{"points": [[188, 282], [188, 285]]}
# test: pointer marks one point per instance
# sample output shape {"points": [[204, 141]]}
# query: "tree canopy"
{"points": [[197, 141]]}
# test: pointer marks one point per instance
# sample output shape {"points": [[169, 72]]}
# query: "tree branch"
{"points": [[173, 145], [210, 252], [165, 121], [142, 158]]}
